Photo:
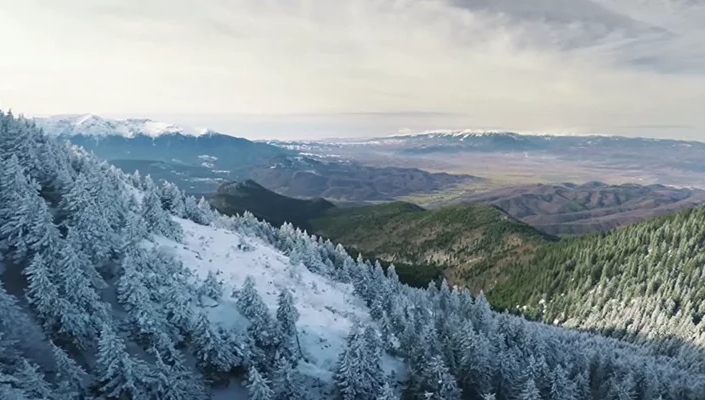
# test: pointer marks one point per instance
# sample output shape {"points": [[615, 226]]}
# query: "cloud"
{"points": [[549, 65]]}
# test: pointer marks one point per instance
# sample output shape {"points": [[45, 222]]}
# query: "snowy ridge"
{"points": [[93, 125], [327, 308]]}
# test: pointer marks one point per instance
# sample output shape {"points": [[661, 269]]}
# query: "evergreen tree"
{"points": [[387, 393], [211, 287], [287, 316], [41, 291], [18, 200], [175, 382], [119, 375], [215, 356], [286, 383], [530, 392], [32, 381], [258, 386], [71, 377]]}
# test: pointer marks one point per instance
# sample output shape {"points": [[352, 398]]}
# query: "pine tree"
{"points": [[387, 393], [175, 382], [214, 356], [530, 392], [32, 381], [18, 200], [93, 233], [287, 316], [211, 287], [263, 327], [286, 383], [71, 377], [41, 291], [258, 386], [117, 373]]}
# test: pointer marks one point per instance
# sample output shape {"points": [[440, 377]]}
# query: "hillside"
{"points": [[472, 243], [643, 282], [569, 209], [238, 197], [151, 295]]}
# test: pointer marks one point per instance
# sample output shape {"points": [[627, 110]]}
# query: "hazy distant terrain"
{"points": [[569, 209], [506, 158], [199, 161]]}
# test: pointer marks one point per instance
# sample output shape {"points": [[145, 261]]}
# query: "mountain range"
{"points": [[507, 158], [199, 161]]}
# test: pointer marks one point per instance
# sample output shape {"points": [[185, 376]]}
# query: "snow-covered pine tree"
{"points": [[287, 316], [119, 375], [72, 379], [387, 393], [211, 287], [18, 199], [215, 356], [286, 383], [41, 291], [258, 386]]}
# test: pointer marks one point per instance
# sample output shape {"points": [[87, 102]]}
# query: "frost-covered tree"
{"points": [[157, 220], [172, 199], [175, 382], [258, 386], [530, 392], [73, 380], [215, 355], [80, 212], [42, 292], [387, 393], [211, 287], [118, 374], [286, 382], [262, 328], [18, 203], [287, 316]]}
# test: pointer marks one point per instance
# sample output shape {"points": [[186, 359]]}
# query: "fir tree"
{"points": [[119, 375], [71, 377], [18, 199], [530, 392], [286, 383], [258, 386], [287, 316], [387, 393]]}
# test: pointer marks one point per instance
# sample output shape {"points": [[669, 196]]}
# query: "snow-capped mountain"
{"points": [[93, 125]]}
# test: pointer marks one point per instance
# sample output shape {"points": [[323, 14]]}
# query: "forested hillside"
{"points": [[472, 244], [117, 287], [643, 283], [237, 197]]}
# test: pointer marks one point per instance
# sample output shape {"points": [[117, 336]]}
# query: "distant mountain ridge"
{"points": [[570, 209], [200, 161], [96, 126]]}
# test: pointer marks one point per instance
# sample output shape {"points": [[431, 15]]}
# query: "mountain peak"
{"points": [[94, 125]]}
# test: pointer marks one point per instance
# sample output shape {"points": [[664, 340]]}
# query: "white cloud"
{"points": [[610, 66]]}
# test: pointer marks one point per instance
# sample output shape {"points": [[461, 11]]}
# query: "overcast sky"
{"points": [[325, 68]]}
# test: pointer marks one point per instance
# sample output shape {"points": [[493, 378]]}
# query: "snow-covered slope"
{"points": [[93, 125], [327, 308]]}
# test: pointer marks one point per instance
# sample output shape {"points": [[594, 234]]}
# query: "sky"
{"points": [[326, 68]]}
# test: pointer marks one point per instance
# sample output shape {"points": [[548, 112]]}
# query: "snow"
{"points": [[93, 125], [327, 308]]}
